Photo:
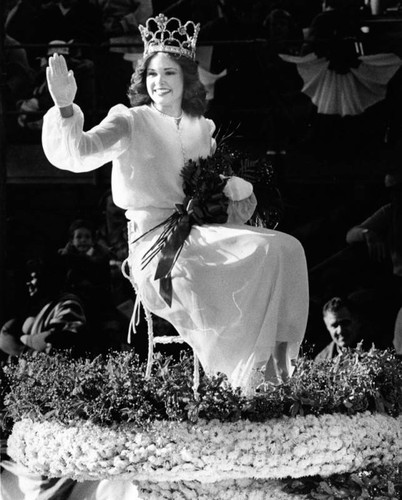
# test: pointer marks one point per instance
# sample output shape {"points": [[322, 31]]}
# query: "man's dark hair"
{"points": [[335, 304]]}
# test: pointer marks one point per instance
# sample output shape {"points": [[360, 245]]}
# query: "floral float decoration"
{"points": [[102, 419]]}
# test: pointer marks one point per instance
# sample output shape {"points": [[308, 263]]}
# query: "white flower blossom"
{"points": [[207, 453]]}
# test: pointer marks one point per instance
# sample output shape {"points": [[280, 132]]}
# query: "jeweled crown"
{"points": [[161, 34]]}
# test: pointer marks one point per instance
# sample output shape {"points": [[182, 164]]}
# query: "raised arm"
{"points": [[372, 232], [64, 141]]}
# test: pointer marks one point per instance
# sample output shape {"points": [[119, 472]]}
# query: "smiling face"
{"points": [[164, 81], [82, 239]]}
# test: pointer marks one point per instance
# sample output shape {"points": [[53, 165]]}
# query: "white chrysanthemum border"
{"points": [[209, 451]]}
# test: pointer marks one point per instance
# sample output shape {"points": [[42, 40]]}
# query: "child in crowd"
{"points": [[82, 241], [88, 261]]}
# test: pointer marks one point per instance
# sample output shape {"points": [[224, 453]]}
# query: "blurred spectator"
{"points": [[276, 85], [123, 46], [89, 273], [371, 264], [88, 260], [65, 26], [282, 30], [77, 21], [199, 11], [32, 109], [332, 35], [381, 232], [113, 235], [19, 74], [346, 326], [20, 22], [375, 234], [55, 317], [236, 24], [288, 108], [41, 21], [122, 17], [365, 262], [82, 242], [19, 81], [303, 11]]}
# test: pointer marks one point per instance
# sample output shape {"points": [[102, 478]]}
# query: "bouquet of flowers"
{"points": [[204, 181]]}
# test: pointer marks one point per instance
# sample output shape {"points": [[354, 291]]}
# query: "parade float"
{"points": [[335, 428]]}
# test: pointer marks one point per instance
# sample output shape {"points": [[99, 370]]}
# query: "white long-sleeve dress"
{"points": [[238, 291]]}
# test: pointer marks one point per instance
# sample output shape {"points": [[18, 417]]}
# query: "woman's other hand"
{"points": [[238, 189]]}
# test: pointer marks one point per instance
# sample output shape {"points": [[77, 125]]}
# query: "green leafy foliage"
{"points": [[354, 381], [113, 389], [383, 483]]}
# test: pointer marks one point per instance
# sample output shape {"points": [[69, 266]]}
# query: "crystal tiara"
{"points": [[161, 34]]}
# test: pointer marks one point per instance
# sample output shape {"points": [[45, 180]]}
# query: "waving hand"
{"points": [[61, 82]]}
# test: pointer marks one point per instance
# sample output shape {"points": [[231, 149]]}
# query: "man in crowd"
{"points": [[345, 324]]}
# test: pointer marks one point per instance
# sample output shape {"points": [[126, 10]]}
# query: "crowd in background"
{"points": [[101, 42], [356, 294]]}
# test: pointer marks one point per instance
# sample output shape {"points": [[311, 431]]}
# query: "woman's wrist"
{"points": [[67, 111]]}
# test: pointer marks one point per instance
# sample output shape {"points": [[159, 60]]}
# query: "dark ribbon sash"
{"points": [[170, 252]]}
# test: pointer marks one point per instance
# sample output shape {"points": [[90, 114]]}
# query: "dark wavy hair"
{"points": [[335, 304], [79, 224], [194, 94]]}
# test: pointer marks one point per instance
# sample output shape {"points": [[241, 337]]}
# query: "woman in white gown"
{"points": [[240, 295]]}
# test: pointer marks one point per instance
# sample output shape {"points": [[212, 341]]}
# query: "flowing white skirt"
{"points": [[239, 292], [350, 93]]}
